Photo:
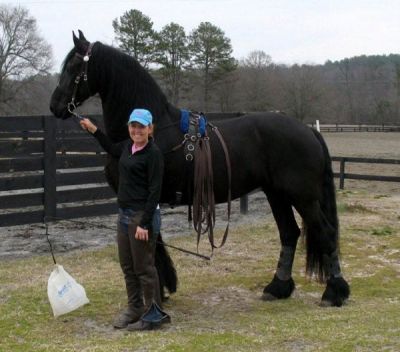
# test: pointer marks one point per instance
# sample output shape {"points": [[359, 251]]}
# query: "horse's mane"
{"points": [[128, 84]]}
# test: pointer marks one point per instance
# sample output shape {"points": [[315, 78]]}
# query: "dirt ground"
{"points": [[26, 240], [364, 144], [378, 145]]}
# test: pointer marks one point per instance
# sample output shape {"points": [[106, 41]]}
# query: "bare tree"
{"points": [[257, 59], [23, 53], [257, 66], [303, 91], [396, 85]]}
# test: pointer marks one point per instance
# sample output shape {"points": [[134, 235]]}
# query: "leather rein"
{"points": [[197, 150], [203, 195]]}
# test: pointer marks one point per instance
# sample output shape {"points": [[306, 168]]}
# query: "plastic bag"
{"points": [[65, 294]]}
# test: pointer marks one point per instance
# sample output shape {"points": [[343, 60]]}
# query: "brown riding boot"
{"points": [[126, 317], [152, 319], [135, 307]]}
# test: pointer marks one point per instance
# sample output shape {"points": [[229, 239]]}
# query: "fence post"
{"points": [[49, 166], [341, 176], [244, 204]]}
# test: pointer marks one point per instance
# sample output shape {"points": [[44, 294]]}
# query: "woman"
{"points": [[140, 176]]}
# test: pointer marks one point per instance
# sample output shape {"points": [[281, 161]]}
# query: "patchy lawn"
{"points": [[217, 306]]}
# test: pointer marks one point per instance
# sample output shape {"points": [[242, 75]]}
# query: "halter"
{"points": [[72, 105]]}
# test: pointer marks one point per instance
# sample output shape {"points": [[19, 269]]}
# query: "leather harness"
{"points": [[198, 167], [72, 105]]}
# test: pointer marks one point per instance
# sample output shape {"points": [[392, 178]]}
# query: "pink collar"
{"points": [[136, 149]]}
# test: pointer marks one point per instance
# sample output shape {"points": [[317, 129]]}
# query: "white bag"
{"points": [[65, 294]]}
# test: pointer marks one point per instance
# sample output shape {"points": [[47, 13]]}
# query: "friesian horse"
{"points": [[288, 160]]}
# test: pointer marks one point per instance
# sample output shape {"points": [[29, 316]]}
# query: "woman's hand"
{"points": [[142, 234], [87, 125]]}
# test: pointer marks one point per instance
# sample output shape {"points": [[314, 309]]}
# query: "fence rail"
{"points": [[358, 128], [52, 168], [342, 175]]}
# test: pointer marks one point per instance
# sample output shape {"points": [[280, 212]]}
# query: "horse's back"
{"points": [[272, 150]]}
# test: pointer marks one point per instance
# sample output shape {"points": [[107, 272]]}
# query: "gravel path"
{"points": [[97, 232]]}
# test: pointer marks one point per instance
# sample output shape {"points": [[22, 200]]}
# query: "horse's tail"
{"points": [[314, 241], [165, 267]]}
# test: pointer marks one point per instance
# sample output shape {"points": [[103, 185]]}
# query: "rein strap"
{"points": [[203, 182]]}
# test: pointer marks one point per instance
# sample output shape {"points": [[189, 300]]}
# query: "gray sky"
{"points": [[290, 31]]}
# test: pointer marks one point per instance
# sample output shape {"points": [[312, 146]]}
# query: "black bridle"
{"points": [[72, 105]]}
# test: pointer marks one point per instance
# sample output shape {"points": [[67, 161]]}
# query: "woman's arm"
{"points": [[115, 149], [155, 169]]}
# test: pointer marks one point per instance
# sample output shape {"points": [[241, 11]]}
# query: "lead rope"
{"points": [[48, 240], [85, 223]]}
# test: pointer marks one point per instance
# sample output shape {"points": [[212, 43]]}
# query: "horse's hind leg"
{"points": [[322, 241], [282, 284]]}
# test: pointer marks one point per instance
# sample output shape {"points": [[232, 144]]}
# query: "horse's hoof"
{"points": [[266, 296], [278, 289], [324, 303], [336, 293]]}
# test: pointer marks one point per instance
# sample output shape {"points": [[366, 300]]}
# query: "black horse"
{"points": [[288, 160]]}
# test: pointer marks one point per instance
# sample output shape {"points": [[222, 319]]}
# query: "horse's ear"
{"points": [[81, 44], [76, 40], [81, 36]]}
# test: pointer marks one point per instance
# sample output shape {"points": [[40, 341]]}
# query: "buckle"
{"points": [[190, 147]]}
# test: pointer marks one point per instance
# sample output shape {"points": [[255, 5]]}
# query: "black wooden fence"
{"points": [[48, 168], [52, 168], [351, 176]]}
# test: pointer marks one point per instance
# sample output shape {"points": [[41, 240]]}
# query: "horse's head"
{"points": [[74, 87]]}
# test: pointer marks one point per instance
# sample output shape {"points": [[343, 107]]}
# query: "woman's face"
{"points": [[139, 133]]}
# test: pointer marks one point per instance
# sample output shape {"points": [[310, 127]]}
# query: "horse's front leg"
{"points": [[282, 285]]}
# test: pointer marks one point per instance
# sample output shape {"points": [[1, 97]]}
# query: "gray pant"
{"points": [[136, 258]]}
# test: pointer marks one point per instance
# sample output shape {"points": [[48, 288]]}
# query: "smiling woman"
{"points": [[140, 176]]}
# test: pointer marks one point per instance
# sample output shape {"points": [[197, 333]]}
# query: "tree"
{"points": [[396, 84], [209, 49], [257, 80], [225, 79], [172, 54], [23, 53], [135, 34], [303, 91], [258, 60]]}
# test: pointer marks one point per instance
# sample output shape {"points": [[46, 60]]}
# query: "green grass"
{"points": [[217, 306], [352, 208], [382, 231]]}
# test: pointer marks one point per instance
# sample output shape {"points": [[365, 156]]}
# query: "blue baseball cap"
{"points": [[142, 116]]}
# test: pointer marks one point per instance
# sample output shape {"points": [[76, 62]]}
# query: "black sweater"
{"points": [[140, 175]]}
